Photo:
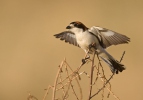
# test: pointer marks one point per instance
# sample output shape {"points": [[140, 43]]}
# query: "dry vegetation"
{"points": [[68, 82]]}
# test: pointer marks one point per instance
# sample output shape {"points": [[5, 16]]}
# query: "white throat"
{"points": [[76, 30]]}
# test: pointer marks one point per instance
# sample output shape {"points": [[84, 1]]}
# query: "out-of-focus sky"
{"points": [[30, 55]]}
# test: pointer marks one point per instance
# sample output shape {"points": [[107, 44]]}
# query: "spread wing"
{"points": [[67, 36], [109, 37]]}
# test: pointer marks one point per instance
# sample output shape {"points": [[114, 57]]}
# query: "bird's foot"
{"points": [[85, 60]]}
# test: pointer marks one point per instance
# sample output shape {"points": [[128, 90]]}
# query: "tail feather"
{"points": [[115, 66], [109, 64]]}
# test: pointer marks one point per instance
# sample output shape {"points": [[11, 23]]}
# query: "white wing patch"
{"points": [[108, 33], [109, 37]]}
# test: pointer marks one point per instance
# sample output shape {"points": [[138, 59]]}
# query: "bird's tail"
{"points": [[114, 65]]}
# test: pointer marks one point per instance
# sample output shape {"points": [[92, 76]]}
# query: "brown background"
{"points": [[29, 54]]}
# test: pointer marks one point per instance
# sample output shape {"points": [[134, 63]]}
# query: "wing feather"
{"points": [[109, 37], [68, 37]]}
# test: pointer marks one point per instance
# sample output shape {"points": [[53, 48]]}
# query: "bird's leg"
{"points": [[86, 57], [93, 45]]}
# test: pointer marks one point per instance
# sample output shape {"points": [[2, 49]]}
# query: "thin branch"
{"points": [[91, 77], [109, 89], [101, 65], [76, 81], [61, 84], [31, 97], [105, 78], [103, 94], [70, 77], [56, 79], [82, 62], [72, 85], [47, 91], [65, 96], [103, 86], [122, 56]]}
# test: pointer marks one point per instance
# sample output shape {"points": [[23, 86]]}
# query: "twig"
{"points": [[103, 86], [108, 79], [68, 82], [103, 94], [76, 81], [82, 62], [65, 95], [31, 97], [70, 77], [47, 91], [56, 79], [105, 79], [101, 65], [91, 77], [72, 85], [61, 83], [122, 56], [109, 89]]}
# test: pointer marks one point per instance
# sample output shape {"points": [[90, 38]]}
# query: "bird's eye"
{"points": [[75, 24]]}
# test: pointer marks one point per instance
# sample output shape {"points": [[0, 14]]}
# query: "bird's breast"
{"points": [[85, 39]]}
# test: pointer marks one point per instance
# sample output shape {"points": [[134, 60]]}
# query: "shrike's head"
{"points": [[76, 26]]}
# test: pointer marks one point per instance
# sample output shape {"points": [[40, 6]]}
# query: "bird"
{"points": [[94, 39]]}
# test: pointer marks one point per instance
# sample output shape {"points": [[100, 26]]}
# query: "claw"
{"points": [[83, 61]]}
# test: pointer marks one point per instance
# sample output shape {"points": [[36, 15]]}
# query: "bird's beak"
{"points": [[68, 27]]}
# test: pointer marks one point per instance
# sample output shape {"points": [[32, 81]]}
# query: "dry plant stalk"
{"points": [[66, 85], [31, 97]]}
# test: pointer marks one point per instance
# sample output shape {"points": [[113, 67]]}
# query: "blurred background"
{"points": [[30, 54]]}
